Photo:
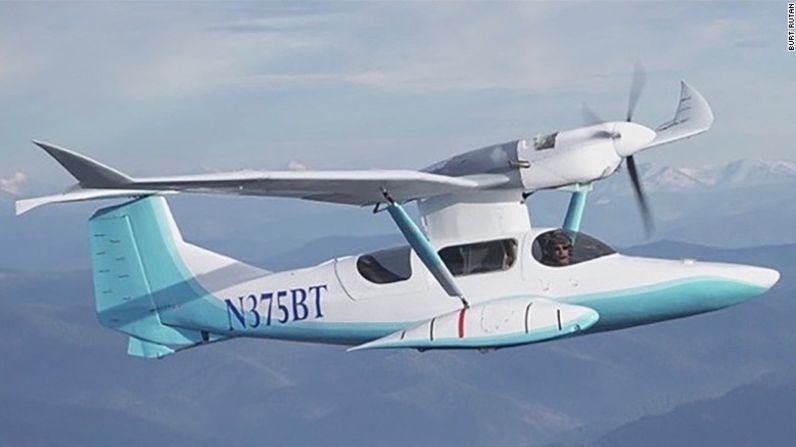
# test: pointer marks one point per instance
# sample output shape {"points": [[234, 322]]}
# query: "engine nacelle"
{"points": [[550, 161], [568, 157]]}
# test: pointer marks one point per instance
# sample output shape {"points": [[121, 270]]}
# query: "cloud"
{"points": [[447, 74], [130, 52], [406, 47], [296, 166], [134, 51], [11, 185]]}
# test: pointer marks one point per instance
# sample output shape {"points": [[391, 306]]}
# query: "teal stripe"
{"points": [[664, 301]]}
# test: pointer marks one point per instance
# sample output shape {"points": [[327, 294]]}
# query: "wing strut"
{"points": [[425, 251], [576, 205]]}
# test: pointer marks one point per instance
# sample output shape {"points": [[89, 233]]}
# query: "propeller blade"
{"points": [[590, 118], [636, 86], [646, 214]]}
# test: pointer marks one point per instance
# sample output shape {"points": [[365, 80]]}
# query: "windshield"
{"points": [[560, 248]]}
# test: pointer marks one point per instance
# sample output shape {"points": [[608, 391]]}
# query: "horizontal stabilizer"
{"points": [[693, 117], [137, 347], [140, 348], [495, 324], [79, 195]]}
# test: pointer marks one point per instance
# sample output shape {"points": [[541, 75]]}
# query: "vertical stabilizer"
{"points": [[141, 276]]}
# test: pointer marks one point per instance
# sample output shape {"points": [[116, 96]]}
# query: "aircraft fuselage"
{"points": [[333, 302]]}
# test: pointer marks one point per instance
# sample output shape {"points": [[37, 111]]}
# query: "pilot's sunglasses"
{"points": [[563, 247]]}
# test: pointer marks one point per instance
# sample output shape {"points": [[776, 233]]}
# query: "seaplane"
{"points": [[474, 272]]}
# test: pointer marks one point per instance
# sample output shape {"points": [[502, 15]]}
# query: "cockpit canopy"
{"points": [[394, 264], [560, 248], [554, 248]]}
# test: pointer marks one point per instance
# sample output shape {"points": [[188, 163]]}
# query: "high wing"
{"points": [[365, 187], [495, 324], [348, 187]]}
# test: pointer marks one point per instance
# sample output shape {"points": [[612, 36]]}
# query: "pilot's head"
{"points": [[559, 249]]}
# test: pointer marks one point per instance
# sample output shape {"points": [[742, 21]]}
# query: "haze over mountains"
{"points": [[742, 203], [755, 414], [736, 174]]}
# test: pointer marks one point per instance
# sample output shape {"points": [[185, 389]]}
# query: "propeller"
{"points": [[590, 118], [628, 139], [636, 86], [646, 214]]}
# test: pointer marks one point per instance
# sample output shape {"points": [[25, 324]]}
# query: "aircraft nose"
{"points": [[739, 283], [761, 277]]}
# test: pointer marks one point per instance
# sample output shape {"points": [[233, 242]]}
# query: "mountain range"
{"points": [[742, 203], [735, 174], [754, 414]]}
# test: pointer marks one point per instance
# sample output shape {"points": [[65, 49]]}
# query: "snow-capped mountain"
{"points": [[743, 173], [735, 174], [734, 204]]}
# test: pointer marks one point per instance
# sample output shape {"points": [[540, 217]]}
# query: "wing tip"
{"points": [[49, 147], [23, 206], [705, 108]]}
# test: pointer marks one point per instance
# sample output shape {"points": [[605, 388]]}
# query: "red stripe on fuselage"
{"points": [[461, 322]]}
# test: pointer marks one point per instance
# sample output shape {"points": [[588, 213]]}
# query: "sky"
{"points": [[167, 88]]}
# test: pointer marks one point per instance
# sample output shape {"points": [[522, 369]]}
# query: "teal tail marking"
{"points": [[144, 288], [137, 274]]}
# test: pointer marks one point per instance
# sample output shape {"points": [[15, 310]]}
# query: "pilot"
{"points": [[557, 250]]}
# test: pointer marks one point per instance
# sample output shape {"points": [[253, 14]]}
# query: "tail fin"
{"points": [[144, 285]]}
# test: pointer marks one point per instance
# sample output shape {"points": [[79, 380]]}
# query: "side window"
{"points": [[480, 257], [385, 266], [560, 248]]}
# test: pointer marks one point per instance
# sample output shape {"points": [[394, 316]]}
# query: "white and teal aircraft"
{"points": [[474, 273]]}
